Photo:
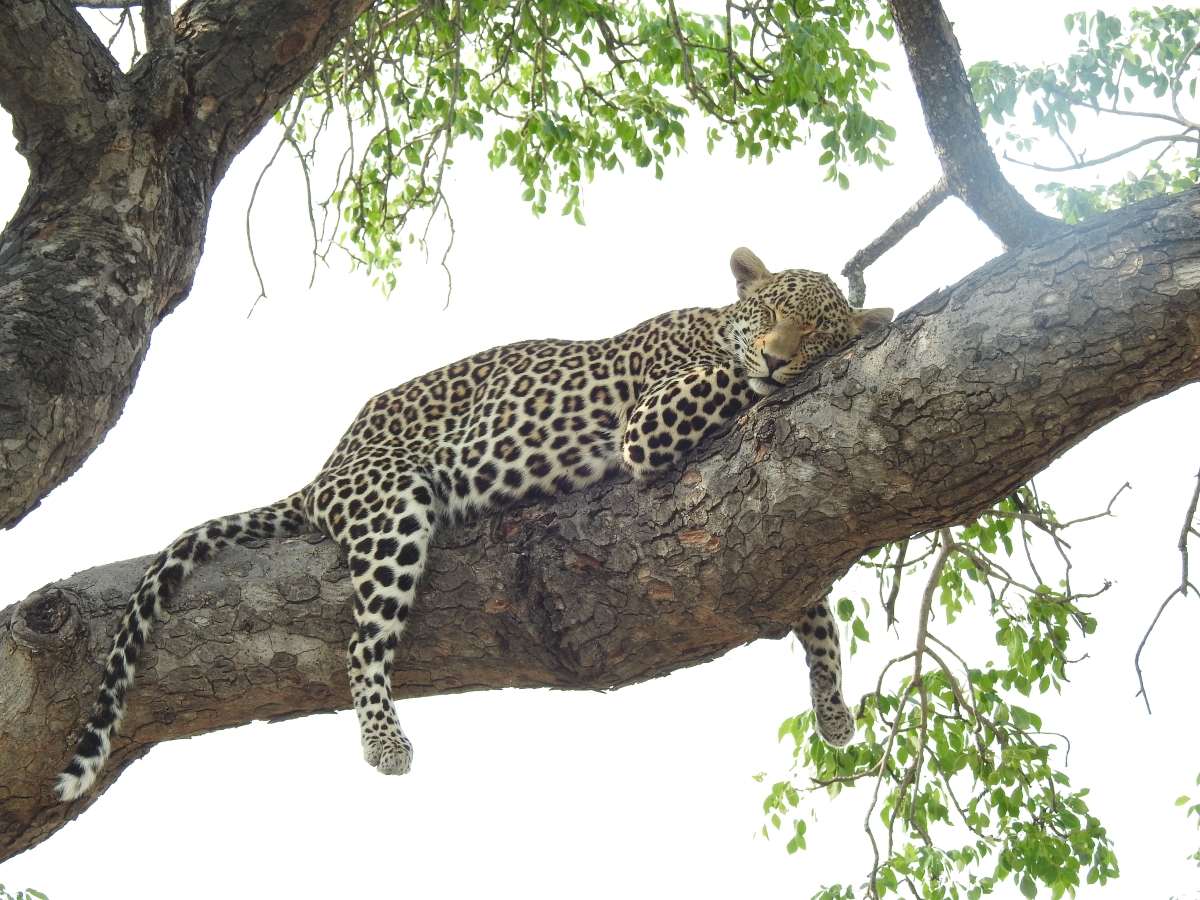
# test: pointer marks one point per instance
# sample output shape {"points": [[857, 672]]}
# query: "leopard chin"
{"points": [[764, 387]]}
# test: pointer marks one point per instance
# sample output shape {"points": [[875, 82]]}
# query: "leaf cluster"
{"points": [[965, 790], [1140, 69], [27, 894], [562, 88], [1193, 810]]}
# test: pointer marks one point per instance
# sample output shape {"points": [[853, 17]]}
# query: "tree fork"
{"points": [[123, 167], [952, 119], [967, 396]]}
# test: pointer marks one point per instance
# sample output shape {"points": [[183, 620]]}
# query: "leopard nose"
{"points": [[773, 362]]}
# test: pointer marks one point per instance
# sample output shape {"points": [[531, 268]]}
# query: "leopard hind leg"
{"points": [[158, 585], [384, 527], [818, 634]]}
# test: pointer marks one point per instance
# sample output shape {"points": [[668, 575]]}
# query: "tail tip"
{"points": [[75, 782]]}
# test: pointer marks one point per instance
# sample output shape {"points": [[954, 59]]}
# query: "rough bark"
{"points": [[970, 167], [123, 167], [971, 393]]}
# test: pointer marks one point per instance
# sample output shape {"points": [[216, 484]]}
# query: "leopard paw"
{"points": [[390, 753], [835, 721], [395, 758]]}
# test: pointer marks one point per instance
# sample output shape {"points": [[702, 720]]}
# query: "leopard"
{"points": [[538, 417]]}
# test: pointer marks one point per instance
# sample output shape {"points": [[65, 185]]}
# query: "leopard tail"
{"points": [[159, 585]]}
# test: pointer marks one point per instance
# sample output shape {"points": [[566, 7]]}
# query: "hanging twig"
{"points": [[889, 605], [1185, 585]]}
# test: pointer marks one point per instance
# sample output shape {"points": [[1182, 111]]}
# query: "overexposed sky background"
{"points": [[646, 791]]}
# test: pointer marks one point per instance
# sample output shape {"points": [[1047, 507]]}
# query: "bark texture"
{"points": [[123, 167], [971, 393], [970, 166]]}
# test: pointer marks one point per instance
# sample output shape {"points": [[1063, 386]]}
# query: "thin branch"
{"points": [[909, 220], [1062, 140], [1100, 515], [283, 142], [309, 205], [159, 29], [1129, 113], [908, 563], [1067, 754], [889, 605], [1083, 164], [1184, 585], [915, 684], [1177, 83], [688, 73]]}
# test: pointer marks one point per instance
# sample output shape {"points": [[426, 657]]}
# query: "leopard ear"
{"points": [[747, 269], [871, 319]]}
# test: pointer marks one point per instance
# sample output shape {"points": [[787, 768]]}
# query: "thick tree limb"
{"points": [[123, 168], [971, 393], [935, 61], [54, 72]]}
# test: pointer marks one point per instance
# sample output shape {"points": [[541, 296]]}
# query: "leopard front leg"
{"points": [[818, 634], [384, 525], [678, 413]]}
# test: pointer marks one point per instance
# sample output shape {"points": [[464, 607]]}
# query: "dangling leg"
{"points": [[818, 633], [386, 524]]}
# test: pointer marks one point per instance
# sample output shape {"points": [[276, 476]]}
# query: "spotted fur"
{"points": [[477, 434]]}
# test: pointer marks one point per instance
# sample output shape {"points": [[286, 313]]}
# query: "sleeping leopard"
{"points": [[467, 439]]}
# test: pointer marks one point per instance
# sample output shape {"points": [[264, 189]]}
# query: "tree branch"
{"points": [[1185, 584], [108, 235], [55, 74], [272, 45], [1086, 163], [974, 176], [160, 30], [971, 393], [912, 217]]}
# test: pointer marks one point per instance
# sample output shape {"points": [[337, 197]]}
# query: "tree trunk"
{"points": [[972, 173], [971, 393], [122, 171]]}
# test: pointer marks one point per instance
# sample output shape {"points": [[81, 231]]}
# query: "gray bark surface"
{"points": [[967, 396], [123, 167]]}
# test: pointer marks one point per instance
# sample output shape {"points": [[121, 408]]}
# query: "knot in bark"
{"points": [[46, 620]]}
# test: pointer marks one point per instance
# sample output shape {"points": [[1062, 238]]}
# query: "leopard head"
{"points": [[784, 321]]}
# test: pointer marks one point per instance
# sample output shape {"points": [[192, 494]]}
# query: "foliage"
{"points": [[1141, 70], [26, 894], [965, 789], [566, 87], [1193, 810]]}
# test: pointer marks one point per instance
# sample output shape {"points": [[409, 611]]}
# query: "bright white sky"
{"points": [[645, 792]]}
